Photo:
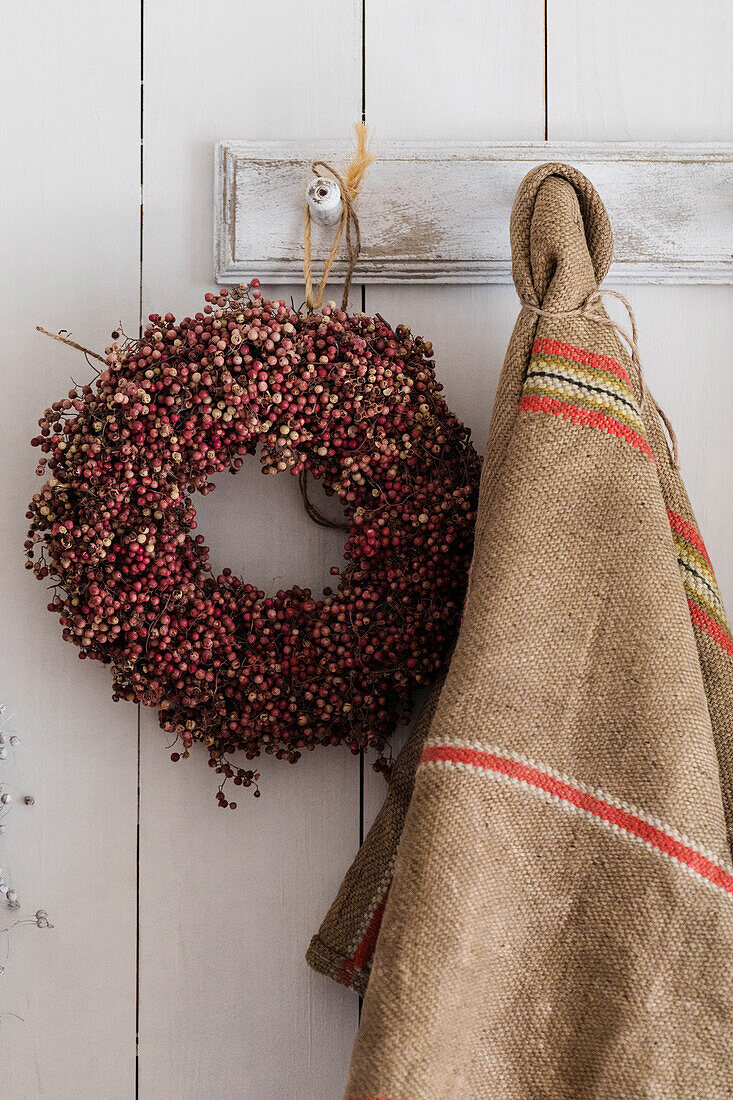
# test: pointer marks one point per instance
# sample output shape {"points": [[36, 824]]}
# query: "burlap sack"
{"points": [[553, 850]]}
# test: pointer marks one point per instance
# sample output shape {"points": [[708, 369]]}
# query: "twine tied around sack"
{"points": [[589, 310], [349, 184]]}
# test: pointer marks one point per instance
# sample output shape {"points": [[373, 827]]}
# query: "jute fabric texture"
{"points": [[544, 906]]}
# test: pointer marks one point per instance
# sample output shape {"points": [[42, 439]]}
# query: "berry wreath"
{"points": [[341, 397]]}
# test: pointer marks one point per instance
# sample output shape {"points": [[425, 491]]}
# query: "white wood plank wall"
{"points": [[200, 951]]}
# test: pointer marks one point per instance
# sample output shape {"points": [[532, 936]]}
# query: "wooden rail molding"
{"points": [[439, 212]]}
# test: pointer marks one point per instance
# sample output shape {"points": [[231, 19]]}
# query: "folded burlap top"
{"points": [[544, 905]]}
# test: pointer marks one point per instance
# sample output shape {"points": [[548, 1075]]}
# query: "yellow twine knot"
{"points": [[349, 185]]}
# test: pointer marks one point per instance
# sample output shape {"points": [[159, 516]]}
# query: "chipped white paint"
{"points": [[438, 212]]}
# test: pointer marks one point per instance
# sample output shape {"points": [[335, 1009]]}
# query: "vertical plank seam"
{"points": [[545, 72], [363, 60], [140, 332], [142, 165], [137, 920], [363, 309]]}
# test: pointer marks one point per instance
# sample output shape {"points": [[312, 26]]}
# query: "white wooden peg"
{"points": [[324, 201]]}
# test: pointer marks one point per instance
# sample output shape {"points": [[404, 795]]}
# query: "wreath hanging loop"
{"points": [[315, 513]]}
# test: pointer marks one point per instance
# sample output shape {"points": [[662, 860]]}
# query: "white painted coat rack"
{"points": [[439, 212]]}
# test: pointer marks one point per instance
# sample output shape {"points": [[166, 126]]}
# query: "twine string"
{"points": [[349, 184], [590, 310], [348, 221], [348, 227]]}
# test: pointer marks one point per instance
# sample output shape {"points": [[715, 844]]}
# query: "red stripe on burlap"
{"points": [[592, 804], [700, 617], [709, 626], [681, 527], [365, 950], [579, 415], [581, 356]]}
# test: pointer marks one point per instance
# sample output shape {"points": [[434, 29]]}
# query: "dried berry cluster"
{"points": [[343, 397]]}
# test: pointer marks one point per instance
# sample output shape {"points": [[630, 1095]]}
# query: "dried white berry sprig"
{"points": [[6, 800], [40, 920]]}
